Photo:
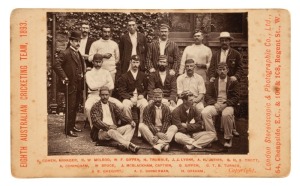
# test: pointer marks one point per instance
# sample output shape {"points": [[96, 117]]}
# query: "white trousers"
{"points": [[199, 106], [141, 104], [199, 139]]}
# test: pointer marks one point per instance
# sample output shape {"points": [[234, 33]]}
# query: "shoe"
{"points": [[188, 148], [157, 148], [72, 134], [133, 148], [235, 133], [208, 146], [228, 143], [77, 130], [121, 147], [166, 148]]}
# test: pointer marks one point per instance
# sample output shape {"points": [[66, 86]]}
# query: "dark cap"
{"points": [[157, 91], [189, 61], [75, 35], [222, 64], [162, 57], [186, 93], [97, 57], [103, 88], [132, 19], [135, 58], [163, 26]]}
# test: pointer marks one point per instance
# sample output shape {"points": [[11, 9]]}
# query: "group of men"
{"points": [[177, 100]]}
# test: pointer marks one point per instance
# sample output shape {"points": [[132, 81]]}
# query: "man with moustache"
{"points": [[108, 49], [132, 43], [69, 67], [95, 79], [226, 55], [193, 82], [157, 128], [163, 80], [163, 46], [105, 116], [191, 131], [133, 88], [200, 53], [221, 97]]}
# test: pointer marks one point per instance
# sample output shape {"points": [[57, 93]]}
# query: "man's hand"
{"points": [[85, 56], [212, 79], [155, 139], [172, 72], [152, 70], [184, 125], [233, 78], [140, 97], [107, 55], [217, 106], [162, 136], [133, 124], [223, 106], [133, 100], [113, 127], [150, 101], [172, 102], [65, 81]]}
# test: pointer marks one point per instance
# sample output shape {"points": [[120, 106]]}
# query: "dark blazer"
{"points": [[234, 63], [171, 51], [149, 118], [179, 116], [68, 65], [125, 48], [97, 118], [169, 88], [232, 90], [127, 84]]}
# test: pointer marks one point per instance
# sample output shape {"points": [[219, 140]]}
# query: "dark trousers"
{"points": [[73, 104]]}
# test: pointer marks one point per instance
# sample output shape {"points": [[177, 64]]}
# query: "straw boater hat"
{"points": [[225, 35]]}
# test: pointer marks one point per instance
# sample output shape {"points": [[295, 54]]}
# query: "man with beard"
{"points": [[105, 116], [191, 131], [163, 46], [108, 49], [163, 80], [133, 88], [200, 53], [95, 79], [132, 43], [157, 128], [192, 82], [221, 97], [69, 67], [226, 55]]}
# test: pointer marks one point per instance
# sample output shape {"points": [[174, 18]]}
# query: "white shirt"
{"points": [[107, 115], [201, 54], [133, 38], [158, 117], [102, 46], [162, 46], [97, 78], [195, 84], [163, 76], [223, 56], [83, 45], [222, 96], [134, 74]]}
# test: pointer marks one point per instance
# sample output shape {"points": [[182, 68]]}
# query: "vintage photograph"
{"points": [[147, 83]]}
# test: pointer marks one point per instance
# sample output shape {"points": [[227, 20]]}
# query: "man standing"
{"points": [[200, 53], [108, 49], [69, 67], [95, 79], [105, 116], [222, 95], [226, 55], [132, 43], [157, 128], [191, 132], [133, 88], [163, 46], [192, 82], [163, 80]]}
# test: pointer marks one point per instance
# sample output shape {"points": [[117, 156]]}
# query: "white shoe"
{"points": [[157, 148], [228, 143], [166, 147]]}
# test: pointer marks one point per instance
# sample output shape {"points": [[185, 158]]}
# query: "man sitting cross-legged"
{"points": [[157, 128], [105, 116], [191, 133]]}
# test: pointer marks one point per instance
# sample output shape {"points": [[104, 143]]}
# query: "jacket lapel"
{"points": [[216, 83], [128, 38], [74, 56]]}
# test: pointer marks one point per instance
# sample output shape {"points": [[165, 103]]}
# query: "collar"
{"points": [[226, 51], [225, 80], [160, 41], [186, 76], [133, 35], [162, 73], [73, 49], [156, 107], [134, 72]]}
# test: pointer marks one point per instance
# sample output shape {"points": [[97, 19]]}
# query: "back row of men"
{"points": [[179, 86]]}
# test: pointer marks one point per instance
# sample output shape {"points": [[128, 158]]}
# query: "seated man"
{"points": [[133, 88], [191, 132], [222, 95], [193, 82], [105, 116], [157, 128], [165, 81], [96, 78]]}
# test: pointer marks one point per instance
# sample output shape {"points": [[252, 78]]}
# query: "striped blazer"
{"points": [[149, 118], [171, 51]]}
